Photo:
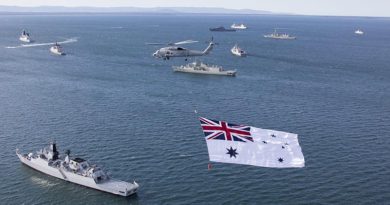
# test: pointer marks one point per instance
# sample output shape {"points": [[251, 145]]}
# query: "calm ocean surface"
{"points": [[111, 102]]}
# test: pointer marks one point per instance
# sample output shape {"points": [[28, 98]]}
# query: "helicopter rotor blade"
{"points": [[185, 42], [155, 44], [172, 44]]}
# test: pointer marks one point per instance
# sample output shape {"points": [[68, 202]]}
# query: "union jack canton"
{"points": [[220, 130]]}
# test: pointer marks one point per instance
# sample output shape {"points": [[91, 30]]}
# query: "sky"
{"points": [[307, 7]]}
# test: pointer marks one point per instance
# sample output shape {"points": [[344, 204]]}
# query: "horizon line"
{"points": [[260, 12]]}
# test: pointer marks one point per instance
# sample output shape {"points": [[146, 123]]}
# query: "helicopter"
{"points": [[174, 50]]}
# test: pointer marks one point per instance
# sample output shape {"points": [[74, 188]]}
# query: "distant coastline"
{"points": [[63, 10], [130, 10]]}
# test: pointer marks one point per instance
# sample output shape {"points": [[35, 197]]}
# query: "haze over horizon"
{"points": [[374, 8]]}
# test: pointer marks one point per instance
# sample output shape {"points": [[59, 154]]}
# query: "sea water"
{"points": [[109, 101]]}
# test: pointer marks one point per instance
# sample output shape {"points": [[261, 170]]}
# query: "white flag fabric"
{"points": [[238, 144]]}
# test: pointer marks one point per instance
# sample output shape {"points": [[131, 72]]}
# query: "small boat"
{"points": [[359, 32], [237, 51], [238, 26], [25, 37], [57, 49], [75, 170], [222, 29], [276, 35], [198, 67]]}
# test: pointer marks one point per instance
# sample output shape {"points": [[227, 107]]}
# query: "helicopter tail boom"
{"points": [[208, 49]]}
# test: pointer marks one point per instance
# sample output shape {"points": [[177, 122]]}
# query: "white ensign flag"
{"points": [[248, 145]]}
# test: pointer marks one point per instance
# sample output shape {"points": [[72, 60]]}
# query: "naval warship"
{"points": [[25, 37], [237, 51], [76, 170], [238, 26], [57, 49], [198, 67], [276, 35], [222, 29], [359, 32]]}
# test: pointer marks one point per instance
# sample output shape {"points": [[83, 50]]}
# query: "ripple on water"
{"points": [[132, 115]]}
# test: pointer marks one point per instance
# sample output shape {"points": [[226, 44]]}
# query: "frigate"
{"points": [[75, 170], [359, 32], [276, 35], [25, 37], [57, 49], [237, 51], [199, 67]]}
